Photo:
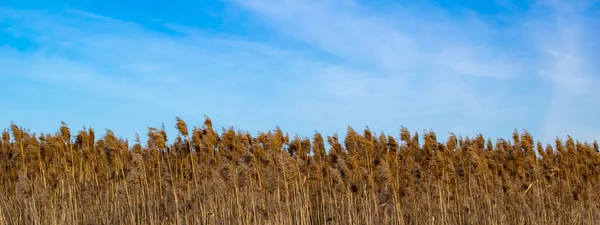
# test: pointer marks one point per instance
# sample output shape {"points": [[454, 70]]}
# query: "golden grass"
{"points": [[234, 178]]}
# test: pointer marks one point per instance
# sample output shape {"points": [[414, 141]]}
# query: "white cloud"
{"points": [[441, 71], [432, 57], [397, 42], [187, 75], [565, 35], [404, 61]]}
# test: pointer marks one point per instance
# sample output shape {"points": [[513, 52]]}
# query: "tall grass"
{"points": [[232, 177]]}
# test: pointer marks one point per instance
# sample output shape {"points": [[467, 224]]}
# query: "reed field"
{"points": [[207, 176]]}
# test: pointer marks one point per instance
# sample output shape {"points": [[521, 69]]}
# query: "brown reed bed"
{"points": [[232, 177]]}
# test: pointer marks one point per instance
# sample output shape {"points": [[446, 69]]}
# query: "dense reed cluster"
{"points": [[232, 177]]}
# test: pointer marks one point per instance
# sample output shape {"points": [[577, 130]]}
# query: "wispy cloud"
{"points": [[565, 34], [329, 64], [185, 74], [483, 73], [396, 42], [425, 67]]}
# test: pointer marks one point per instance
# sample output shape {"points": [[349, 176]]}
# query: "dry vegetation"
{"points": [[234, 178]]}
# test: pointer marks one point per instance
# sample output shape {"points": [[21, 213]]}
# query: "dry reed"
{"points": [[204, 177]]}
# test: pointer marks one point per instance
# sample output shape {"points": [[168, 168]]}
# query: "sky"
{"points": [[468, 67]]}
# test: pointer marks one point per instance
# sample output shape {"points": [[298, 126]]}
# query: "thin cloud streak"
{"points": [[565, 38], [433, 71], [337, 63], [455, 48]]}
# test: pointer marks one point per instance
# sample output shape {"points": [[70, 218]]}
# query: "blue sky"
{"points": [[466, 67]]}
